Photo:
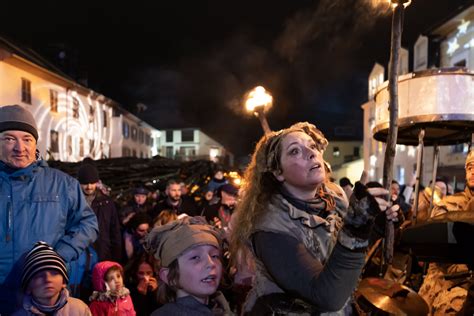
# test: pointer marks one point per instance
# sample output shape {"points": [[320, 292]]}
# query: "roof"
{"points": [[31, 55]]}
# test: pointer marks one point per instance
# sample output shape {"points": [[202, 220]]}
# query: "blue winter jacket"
{"points": [[39, 203]]}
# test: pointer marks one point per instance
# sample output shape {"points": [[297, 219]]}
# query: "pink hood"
{"points": [[98, 274]]}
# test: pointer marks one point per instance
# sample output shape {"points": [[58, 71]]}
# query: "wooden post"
{"points": [[263, 119], [397, 22]]}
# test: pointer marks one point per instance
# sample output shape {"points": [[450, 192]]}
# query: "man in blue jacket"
{"points": [[37, 203]]}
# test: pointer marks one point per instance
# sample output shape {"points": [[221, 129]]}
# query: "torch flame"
{"points": [[258, 97], [395, 3]]}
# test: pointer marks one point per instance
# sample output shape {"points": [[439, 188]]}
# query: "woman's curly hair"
{"points": [[260, 184]]}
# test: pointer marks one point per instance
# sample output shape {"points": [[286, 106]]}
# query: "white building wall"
{"points": [[78, 138]]}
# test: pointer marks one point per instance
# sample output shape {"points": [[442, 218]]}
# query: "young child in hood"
{"points": [[191, 268], [43, 280], [110, 296]]}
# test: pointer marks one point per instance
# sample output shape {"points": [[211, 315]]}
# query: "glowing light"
{"points": [[258, 97], [411, 151], [213, 153], [469, 44], [373, 160], [462, 28], [453, 46], [395, 3]]}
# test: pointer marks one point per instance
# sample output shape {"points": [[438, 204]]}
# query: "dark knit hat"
{"points": [[229, 189], [345, 181], [17, 118], [42, 257], [87, 173], [141, 190]]}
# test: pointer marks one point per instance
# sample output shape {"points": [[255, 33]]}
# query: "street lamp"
{"points": [[259, 101]]}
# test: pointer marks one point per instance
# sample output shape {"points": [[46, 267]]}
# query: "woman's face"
{"points": [[302, 166], [145, 272]]}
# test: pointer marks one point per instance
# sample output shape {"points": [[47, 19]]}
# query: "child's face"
{"points": [[114, 280], [200, 271], [46, 285]]}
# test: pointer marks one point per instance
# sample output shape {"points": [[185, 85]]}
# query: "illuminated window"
{"points": [[75, 108], [53, 100], [125, 130], [134, 135], [213, 154], [25, 91]]}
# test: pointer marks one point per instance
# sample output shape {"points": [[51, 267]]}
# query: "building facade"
{"points": [[430, 87], [73, 121], [191, 144]]}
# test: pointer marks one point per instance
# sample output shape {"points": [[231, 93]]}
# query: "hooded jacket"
{"points": [[103, 301], [39, 203]]}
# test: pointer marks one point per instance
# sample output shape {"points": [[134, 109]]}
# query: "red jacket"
{"points": [[102, 302], [120, 307]]}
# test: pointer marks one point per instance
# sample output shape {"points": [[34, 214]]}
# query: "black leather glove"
{"points": [[358, 222]]}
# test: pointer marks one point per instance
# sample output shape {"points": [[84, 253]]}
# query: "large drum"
{"points": [[441, 101]]}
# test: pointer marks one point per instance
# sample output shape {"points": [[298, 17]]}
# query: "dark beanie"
{"points": [[229, 189], [87, 173], [141, 190], [17, 118], [42, 257]]}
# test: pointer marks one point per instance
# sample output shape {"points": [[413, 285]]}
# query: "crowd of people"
{"points": [[288, 241]]}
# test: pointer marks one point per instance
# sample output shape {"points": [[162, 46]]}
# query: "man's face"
{"points": [[394, 190], [228, 199], [140, 199], [174, 192], [470, 175], [89, 188], [17, 149]]}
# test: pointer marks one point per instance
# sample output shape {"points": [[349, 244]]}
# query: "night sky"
{"points": [[191, 62]]}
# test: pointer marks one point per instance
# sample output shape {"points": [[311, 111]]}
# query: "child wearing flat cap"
{"points": [[44, 278], [191, 268]]}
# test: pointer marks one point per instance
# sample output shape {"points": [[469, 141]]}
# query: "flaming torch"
{"points": [[397, 27], [259, 101]]}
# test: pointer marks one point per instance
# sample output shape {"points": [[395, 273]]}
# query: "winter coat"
{"points": [[109, 242], [39, 203], [103, 302], [80, 274], [74, 307], [318, 232], [185, 205], [446, 296], [104, 305], [188, 305]]}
